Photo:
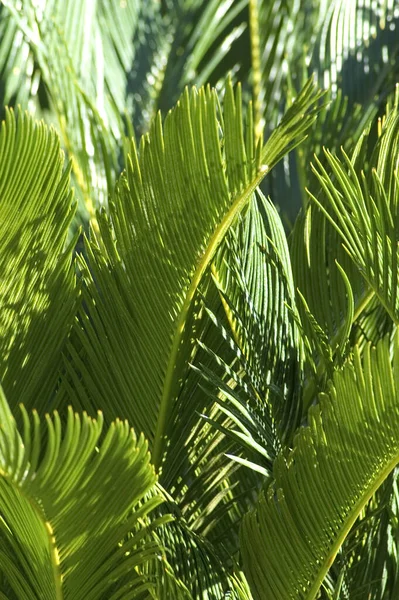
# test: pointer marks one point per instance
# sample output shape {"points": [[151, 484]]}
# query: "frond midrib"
{"points": [[51, 537], [350, 521], [217, 237]]}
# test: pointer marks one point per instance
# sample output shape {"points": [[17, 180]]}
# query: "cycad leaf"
{"points": [[365, 211], [338, 461], [64, 517], [250, 364], [37, 289], [196, 563], [372, 324], [171, 211], [19, 75], [276, 37], [255, 280], [249, 361], [209, 49], [197, 43], [368, 562], [331, 294]]}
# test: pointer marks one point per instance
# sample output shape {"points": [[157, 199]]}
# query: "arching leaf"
{"points": [[82, 55], [181, 193], [365, 210], [37, 289], [321, 486], [356, 48], [254, 375], [67, 529], [254, 277]]}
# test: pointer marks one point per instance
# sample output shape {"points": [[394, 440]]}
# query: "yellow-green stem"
{"points": [[55, 561]]}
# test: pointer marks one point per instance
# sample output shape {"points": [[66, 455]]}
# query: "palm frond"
{"points": [[207, 40], [356, 49], [169, 220], [195, 562], [365, 211], [65, 523], [253, 274], [276, 37], [351, 46], [239, 364], [37, 291], [182, 43], [256, 383], [82, 54], [368, 559], [322, 485], [331, 294], [19, 72]]}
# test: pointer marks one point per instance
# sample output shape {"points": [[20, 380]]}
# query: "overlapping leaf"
{"points": [[201, 44], [254, 277], [37, 289], [82, 53], [330, 293], [356, 48], [365, 211], [253, 374], [321, 486], [171, 211], [65, 522]]}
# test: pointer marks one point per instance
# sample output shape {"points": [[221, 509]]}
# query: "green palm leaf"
{"points": [[253, 274], [64, 517], [253, 375], [19, 74], [37, 290], [356, 48], [331, 294], [171, 211], [368, 560], [83, 55], [322, 485], [365, 210], [197, 43]]}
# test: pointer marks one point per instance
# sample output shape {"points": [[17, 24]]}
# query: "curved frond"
{"points": [[37, 289], [331, 294], [181, 193], [250, 367], [368, 562], [83, 54], [254, 277], [356, 48], [204, 42], [66, 528], [276, 36], [19, 75], [195, 563], [365, 211], [321, 486]]}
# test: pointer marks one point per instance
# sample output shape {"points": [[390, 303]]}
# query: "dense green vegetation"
{"points": [[199, 300]]}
